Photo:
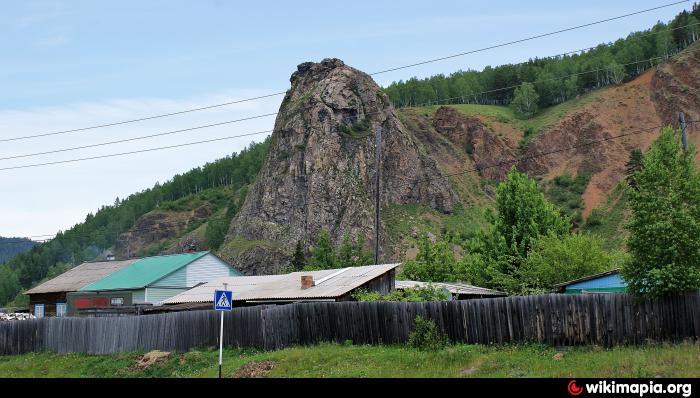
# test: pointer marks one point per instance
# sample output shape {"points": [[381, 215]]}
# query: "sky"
{"points": [[72, 64]]}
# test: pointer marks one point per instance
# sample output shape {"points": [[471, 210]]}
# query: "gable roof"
{"points": [[330, 283], [144, 272], [589, 277], [80, 276]]}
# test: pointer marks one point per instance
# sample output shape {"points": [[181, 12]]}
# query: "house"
{"points": [[604, 282], [49, 298], [324, 285], [458, 290], [149, 281]]}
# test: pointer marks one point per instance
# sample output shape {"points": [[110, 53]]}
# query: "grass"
{"points": [[610, 220], [240, 245], [503, 114], [344, 360], [402, 220]]}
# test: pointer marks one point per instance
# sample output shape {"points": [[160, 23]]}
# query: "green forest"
{"points": [[100, 230], [550, 81], [10, 247]]}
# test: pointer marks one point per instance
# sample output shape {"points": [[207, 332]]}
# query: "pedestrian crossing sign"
{"points": [[223, 300]]}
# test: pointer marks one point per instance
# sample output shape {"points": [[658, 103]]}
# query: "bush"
{"points": [[414, 294], [357, 129], [554, 260], [594, 219], [426, 335]]}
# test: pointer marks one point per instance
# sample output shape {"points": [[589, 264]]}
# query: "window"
{"points": [[117, 301], [39, 310], [61, 309]]}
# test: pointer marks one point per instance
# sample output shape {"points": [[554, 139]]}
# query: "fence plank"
{"points": [[552, 319]]}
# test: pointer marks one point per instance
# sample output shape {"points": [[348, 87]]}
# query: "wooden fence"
{"points": [[605, 319]]}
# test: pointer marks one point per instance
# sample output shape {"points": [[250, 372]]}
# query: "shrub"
{"points": [[414, 294], [594, 219], [426, 335], [358, 129], [554, 260]]}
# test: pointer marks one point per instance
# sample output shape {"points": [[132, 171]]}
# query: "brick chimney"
{"points": [[307, 281]]}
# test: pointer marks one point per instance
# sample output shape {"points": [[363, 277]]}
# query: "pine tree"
{"points": [[322, 255], [299, 257]]}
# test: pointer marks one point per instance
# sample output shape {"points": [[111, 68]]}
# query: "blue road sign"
{"points": [[223, 300]]}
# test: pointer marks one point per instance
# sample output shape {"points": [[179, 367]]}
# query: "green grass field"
{"points": [[338, 360]]}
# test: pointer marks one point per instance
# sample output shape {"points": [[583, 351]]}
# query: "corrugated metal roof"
{"points": [[144, 272], [80, 276], [286, 286], [589, 277], [453, 287]]}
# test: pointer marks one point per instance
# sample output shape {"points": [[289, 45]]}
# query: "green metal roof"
{"points": [[143, 272]]}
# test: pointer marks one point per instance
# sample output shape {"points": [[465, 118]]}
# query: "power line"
{"points": [[445, 176], [141, 119], [437, 101], [371, 74], [473, 94], [131, 152], [526, 39], [142, 138]]}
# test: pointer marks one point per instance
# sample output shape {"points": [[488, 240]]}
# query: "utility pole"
{"points": [[684, 136], [377, 163]]}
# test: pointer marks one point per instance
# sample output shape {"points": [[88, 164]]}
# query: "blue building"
{"points": [[605, 282]]}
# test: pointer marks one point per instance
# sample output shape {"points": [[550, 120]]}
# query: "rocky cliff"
{"points": [[320, 170], [439, 164]]}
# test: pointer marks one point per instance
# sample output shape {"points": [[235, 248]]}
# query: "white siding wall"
{"points": [[138, 296], [206, 269], [176, 279], [155, 295]]}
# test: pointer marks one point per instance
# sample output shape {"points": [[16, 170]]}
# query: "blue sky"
{"points": [[68, 64]]}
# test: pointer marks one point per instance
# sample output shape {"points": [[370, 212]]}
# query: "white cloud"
{"points": [[42, 200]]}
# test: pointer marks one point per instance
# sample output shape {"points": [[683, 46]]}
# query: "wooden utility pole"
{"points": [[684, 136], [377, 163]]}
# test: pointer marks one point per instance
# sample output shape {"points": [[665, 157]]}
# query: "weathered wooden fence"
{"points": [[552, 319]]}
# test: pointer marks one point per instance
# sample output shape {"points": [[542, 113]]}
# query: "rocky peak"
{"points": [[320, 171], [316, 71]]}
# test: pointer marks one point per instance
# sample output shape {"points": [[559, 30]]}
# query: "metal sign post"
{"points": [[222, 302]]}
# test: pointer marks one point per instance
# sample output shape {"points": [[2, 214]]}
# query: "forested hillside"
{"points": [[10, 247], [101, 230], [555, 79]]}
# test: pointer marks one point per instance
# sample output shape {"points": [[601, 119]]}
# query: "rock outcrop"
{"points": [[675, 88], [320, 170], [491, 154]]}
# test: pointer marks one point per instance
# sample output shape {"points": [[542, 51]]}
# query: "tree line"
{"points": [[101, 230], [551, 81]]}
